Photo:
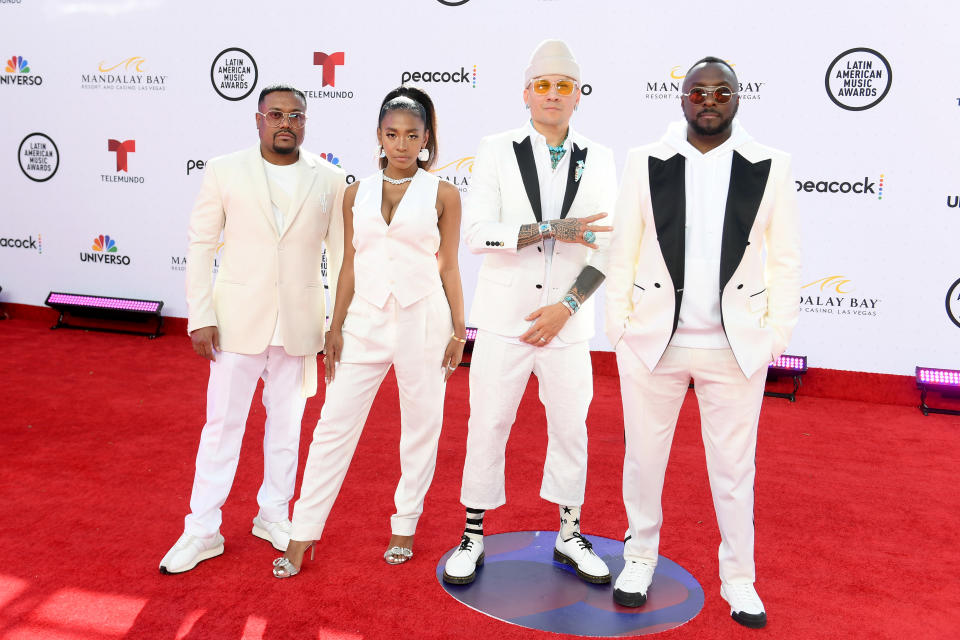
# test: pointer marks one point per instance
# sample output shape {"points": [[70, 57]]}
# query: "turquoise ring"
{"points": [[589, 237]]}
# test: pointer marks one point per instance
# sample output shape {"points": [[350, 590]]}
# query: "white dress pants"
{"points": [[499, 372], [412, 339], [729, 412], [233, 380]]}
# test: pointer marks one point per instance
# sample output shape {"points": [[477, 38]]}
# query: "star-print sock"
{"points": [[474, 528], [569, 522]]}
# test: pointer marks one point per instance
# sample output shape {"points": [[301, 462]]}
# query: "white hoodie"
{"points": [[707, 179]]}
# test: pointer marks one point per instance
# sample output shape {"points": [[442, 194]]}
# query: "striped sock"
{"points": [[474, 528], [569, 522]]}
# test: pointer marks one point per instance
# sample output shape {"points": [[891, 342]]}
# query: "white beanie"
{"points": [[551, 57]]}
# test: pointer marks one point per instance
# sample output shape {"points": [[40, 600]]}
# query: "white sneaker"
{"points": [[276, 533], [189, 551], [745, 605], [461, 567], [578, 552], [631, 587]]}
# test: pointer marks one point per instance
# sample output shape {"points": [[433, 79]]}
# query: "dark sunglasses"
{"points": [[721, 95]]}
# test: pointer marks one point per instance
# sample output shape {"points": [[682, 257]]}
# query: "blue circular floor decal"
{"points": [[520, 583]]}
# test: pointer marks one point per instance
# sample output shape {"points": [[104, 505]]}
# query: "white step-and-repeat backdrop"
{"points": [[110, 109]]}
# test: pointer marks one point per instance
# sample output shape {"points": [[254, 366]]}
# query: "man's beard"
{"points": [[722, 127], [284, 150]]}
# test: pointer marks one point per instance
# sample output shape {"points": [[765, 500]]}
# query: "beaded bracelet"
{"points": [[453, 336]]}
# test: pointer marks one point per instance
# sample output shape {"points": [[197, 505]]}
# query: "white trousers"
{"points": [[233, 380], [499, 372], [412, 339], [729, 412]]}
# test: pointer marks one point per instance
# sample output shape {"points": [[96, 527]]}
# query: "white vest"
{"points": [[399, 258]]}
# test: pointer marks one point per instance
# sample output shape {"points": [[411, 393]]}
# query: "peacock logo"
{"points": [[17, 64], [105, 244]]}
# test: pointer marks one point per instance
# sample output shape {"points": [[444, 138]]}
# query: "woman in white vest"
{"points": [[398, 302]]}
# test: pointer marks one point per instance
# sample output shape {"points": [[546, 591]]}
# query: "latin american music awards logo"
{"points": [[234, 74], [39, 157], [858, 79], [17, 72], [953, 302]]}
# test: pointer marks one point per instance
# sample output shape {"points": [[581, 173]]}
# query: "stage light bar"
{"points": [[946, 382], [471, 334], [105, 307], [790, 364], [58, 300], [787, 366], [938, 377]]}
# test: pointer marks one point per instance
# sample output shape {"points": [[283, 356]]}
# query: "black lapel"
{"points": [[577, 155], [669, 202], [748, 181], [528, 171]]}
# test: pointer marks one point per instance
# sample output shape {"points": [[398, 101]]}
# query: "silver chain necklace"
{"points": [[387, 178]]}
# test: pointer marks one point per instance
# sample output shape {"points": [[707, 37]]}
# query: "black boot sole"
{"points": [[465, 579], [559, 557]]}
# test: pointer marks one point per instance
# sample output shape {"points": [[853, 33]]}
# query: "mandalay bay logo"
{"points": [[669, 87], [459, 172], [836, 295], [128, 74]]}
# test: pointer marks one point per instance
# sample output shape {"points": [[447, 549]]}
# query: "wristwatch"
{"points": [[546, 231]]}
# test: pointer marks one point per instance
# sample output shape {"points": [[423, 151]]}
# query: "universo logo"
{"points": [[105, 251], [859, 187], [17, 72]]}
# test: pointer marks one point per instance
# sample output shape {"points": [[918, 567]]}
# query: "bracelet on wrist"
{"points": [[546, 230], [570, 303], [453, 336]]}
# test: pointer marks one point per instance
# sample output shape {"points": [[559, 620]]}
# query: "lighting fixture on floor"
{"points": [[105, 308], [787, 366], [945, 382]]}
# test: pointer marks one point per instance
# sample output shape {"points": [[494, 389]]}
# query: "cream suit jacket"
{"points": [[263, 271], [504, 195], [759, 300]]}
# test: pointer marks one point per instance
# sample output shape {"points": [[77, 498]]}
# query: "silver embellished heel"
{"points": [[283, 568]]}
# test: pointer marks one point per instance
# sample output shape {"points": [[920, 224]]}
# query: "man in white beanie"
{"points": [[536, 195]]}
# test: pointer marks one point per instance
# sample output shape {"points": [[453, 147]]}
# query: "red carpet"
{"points": [[857, 510]]}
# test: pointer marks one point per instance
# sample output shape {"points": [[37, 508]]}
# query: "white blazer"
{"points": [[504, 195], [759, 301], [262, 270]]}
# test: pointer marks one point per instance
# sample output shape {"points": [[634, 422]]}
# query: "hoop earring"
{"points": [[424, 155]]}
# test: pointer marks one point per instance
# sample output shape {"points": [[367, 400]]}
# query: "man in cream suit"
{"points": [[275, 205], [535, 195], [689, 295]]}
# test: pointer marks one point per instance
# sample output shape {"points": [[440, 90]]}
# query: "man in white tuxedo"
{"points": [[275, 205], [535, 195], [690, 296]]}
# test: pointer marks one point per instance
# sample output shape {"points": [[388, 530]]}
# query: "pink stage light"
{"points": [[791, 365], [79, 305], [937, 377], [471, 334], [101, 302]]}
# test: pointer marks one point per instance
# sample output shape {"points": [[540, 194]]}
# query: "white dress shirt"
{"points": [[282, 183], [707, 180]]}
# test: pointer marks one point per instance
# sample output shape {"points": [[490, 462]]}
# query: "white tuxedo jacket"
{"points": [[504, 195], [263, 271], [759, 301]]}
